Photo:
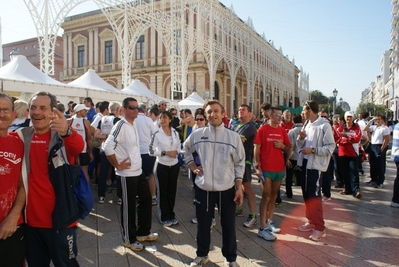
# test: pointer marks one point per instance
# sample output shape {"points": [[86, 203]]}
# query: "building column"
{"points": [[70, 46], [90, 47], [96, 49]]}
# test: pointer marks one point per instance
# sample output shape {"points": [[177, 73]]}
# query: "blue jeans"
{"points": [[351, 178]]}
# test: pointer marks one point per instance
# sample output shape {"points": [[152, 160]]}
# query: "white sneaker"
{"points": [[150, 237], [250, 222], [394, 205], [324, 198], [273, 227], [266, 234], [306, 227], [119, 201], [232, 264], [194, 220], [101, 200], [136, 246], [199, 261], [317, 235]]}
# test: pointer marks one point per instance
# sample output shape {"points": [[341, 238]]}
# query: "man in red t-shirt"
{"points": [[270, 142], [48, 237], [12, 193]]}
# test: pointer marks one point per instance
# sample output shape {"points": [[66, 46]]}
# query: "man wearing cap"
{"points": [[84, 129], [162, 105], [348, 138]]}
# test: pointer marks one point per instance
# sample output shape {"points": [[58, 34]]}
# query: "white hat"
{"points": [[162, 102], [80, 107], [349, 114]]}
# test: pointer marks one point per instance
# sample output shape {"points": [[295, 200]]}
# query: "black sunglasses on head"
{"points": [[132, 107]]}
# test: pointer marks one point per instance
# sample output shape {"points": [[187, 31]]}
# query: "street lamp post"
{"points": [[335, 93]]}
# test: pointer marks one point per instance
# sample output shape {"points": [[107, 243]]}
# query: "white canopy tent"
{"points": [[192, 102], [20, 69], [91, 80], [20, 78], [137, 88]]}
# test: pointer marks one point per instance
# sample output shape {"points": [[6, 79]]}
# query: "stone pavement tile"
{"points": [[87, 256], [323, 259], [367, 254], [87, 237], [290, 257], [255, 252], [110, 243], [113, 259]]}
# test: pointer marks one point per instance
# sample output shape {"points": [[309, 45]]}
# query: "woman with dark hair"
{"points": [[165, 145]]}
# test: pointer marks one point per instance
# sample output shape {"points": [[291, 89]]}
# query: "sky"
{"points": [[338, 43]]}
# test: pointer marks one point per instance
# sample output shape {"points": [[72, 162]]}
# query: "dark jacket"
{"points": [[66, 210]]}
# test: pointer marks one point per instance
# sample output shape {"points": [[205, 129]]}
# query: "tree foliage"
{"points": [[319, 97], [373, 109]]}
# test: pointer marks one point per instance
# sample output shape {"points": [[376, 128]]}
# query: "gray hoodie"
{"points": [[322, 140]]}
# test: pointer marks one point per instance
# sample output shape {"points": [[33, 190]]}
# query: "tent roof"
{"points": [[193, 100], [138, 88], [20, 69], [91, 80]]}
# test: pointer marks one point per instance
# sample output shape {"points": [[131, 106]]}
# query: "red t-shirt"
{"points": [[271, 158], [11, 155], [41, 197]]}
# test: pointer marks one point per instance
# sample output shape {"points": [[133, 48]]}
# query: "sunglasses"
{"points": [[173, 114], [199, 119], [132, 107], [307, 104]]}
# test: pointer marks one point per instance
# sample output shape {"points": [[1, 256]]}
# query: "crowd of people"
{"points": [[140, 151]]}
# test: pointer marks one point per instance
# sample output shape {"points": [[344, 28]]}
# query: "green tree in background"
{"points": [[373, 109]]}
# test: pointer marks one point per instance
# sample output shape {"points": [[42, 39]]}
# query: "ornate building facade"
{"points": [[178, 46]]}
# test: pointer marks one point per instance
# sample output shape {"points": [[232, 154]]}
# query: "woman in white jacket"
{"points": [[165, 145]]}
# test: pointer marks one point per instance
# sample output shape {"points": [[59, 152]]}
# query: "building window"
{"points": [[108, 52], [140, 48], [81, 56]]}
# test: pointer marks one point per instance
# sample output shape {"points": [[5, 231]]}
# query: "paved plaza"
{"points": [[359, 233]]}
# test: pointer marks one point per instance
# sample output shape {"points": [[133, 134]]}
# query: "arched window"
{"points": [[216, 92]]}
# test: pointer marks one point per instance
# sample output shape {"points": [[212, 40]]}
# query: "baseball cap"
{"points": [[349, 113], [162, 102], [80, 107]]}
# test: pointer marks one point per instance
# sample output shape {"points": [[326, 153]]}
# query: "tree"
{"points": [[372, 109], [319, 97]]}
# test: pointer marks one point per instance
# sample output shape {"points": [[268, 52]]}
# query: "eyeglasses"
{"points": [[278, 115], [199, 119], [174, 114], [6, 110], [132, 107]]}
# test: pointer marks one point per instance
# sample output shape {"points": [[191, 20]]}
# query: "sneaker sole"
{"points": [[322, 236], [132, 248], [203, 262], [305, 230], [270, 240], [147, 239]]}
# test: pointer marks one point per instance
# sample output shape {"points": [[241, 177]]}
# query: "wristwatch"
{"points": [[163, 153], [68, 133], [313, 150]]}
